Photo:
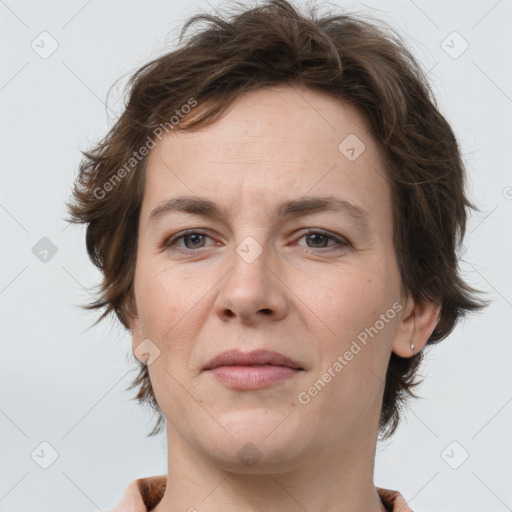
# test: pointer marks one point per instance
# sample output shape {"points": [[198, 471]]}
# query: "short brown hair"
{"points": [[352, 60]]}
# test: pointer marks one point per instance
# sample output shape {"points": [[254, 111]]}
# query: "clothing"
{"points": [[144, 494]]}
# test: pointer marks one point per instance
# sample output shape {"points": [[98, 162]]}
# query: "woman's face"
{"points": [[254, 278]]}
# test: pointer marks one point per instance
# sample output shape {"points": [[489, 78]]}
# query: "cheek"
{"points": [[355, 352], [172, 308], [159, 299], [352, 308], [352, 298]]}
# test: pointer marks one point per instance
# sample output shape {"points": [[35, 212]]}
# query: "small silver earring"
{"points": [[412, 347]]}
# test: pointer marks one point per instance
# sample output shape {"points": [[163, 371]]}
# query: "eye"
{"points": [[195, 239], [319, 237]]}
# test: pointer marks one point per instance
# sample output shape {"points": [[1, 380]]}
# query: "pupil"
{"points": [[194, 238], [315, 236]]}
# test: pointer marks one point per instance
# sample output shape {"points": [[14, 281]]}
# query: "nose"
{"points": [[252, 291]]}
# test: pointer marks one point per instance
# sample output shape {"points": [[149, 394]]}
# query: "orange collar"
{"points": [[144, 494]]}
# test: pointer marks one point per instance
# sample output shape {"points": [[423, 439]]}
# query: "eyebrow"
{"points": [[293, 208]]}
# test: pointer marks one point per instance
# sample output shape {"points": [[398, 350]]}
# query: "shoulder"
{"points": [[141, 495], [393, 500]]}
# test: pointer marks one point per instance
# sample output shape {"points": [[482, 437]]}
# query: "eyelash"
{"points": [[169, 243]]}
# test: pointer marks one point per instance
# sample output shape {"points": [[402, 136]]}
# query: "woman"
{"points": [[276, 215]]}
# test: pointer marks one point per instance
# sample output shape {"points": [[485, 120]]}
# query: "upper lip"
{"points": [[256, 357]]}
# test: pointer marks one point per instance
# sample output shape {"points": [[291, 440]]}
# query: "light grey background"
{"points": [[65, 384]]}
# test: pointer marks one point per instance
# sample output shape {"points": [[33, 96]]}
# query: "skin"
{"points": [[303, 296]]}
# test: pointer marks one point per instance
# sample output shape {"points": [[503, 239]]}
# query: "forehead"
{"points": [[272, 145]]}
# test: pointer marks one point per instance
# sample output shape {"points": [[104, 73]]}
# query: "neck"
{"points": [[337, 479]]}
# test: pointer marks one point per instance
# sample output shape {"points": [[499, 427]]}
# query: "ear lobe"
{"points": [[418, 321]]}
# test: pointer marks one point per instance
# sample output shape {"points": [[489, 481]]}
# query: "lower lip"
{"points": [[252, 377]]}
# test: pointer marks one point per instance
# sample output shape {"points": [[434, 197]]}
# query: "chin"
{"points": [[256, 457], [260, 443]]}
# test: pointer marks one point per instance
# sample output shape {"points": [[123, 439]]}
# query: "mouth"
{"points": [[252, 359], [254, 370]]}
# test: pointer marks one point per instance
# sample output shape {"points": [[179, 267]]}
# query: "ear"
{"points": [[418, 321]]}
